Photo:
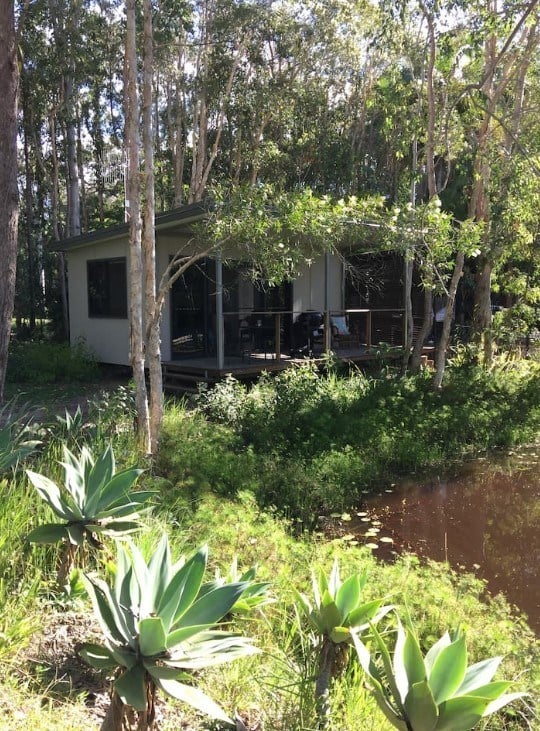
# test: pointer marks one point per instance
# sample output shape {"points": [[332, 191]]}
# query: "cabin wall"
{"points": [[107, 337], [308, 288]]}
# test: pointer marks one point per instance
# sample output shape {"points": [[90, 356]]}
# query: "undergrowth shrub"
{"points": [[308, 442], [48, 362]]}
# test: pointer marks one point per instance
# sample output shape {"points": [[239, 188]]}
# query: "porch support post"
{"points": [[220, 330], [327, 327]]}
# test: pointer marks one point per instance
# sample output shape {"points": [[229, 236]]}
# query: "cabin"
{"points": [[217, 320]]}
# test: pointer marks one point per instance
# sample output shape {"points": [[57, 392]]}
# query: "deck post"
{"points": [[327, 331], [220, 330], [277, 335], [368, 329]]}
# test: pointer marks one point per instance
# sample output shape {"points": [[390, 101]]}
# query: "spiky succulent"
{"points": [[158, 625], [438, 692], [94, 500]]}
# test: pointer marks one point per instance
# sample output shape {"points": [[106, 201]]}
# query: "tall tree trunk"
{"points": [[442, 345], [9, 208], [55, 221], [135, 247], [152, 317]]}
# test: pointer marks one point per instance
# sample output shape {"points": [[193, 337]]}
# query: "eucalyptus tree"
{"points": [[9, 210]]}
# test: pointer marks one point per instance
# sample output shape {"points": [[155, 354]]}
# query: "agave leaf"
{"points": [[376, 687], [364, 613], [183, 588], [348, 595], [412, 659], [131, 505], [330, 616], [125, 657], [319, 585], [448, 670], [97, 656], [50, 492], [152, 640], [158, 575], [303, 602], [433, 653], [163, 672], [420, 707], [102, 611], [479, 674], [100, 475], [75, 532], [334, 582], [340, 634], [400, 673], [131, 687], [115, 527], [117, 488], [140, 570], [178, 636], [193, 697], [248, 575], [204, 653], [502, 701], [491, 691], [107, 608], [461, 713], [210, 608], [387, 664], [49, 533]]}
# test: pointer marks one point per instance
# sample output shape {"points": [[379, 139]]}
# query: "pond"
{"points": [[485, 520]]}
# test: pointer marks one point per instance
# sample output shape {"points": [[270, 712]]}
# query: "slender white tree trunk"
{"points": [[137, 346], [152, 315]]}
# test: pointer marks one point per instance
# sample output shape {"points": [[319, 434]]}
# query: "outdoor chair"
{"points": [[343, 335]]}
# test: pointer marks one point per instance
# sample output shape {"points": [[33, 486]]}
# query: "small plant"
{"points": [[255, 595], [95, 500], [337, 615], [437, 692], [157, 621], [15, 437]]}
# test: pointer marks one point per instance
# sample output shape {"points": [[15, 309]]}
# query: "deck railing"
{"points": [[266, 329]]}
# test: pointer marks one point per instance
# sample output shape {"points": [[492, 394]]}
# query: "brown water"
{"points": [[486, 520]]}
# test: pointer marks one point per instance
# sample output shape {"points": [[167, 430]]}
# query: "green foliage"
{"points": [[95, 500], [338, 610], [435, 692], [157, 621], [16, 442], [47, 362], [310, 443]]}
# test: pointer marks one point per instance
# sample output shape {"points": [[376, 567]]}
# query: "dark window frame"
{"points": [[107, 292]]}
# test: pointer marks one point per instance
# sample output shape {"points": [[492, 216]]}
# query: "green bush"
{"points": [[48, 362], [307, 442]]}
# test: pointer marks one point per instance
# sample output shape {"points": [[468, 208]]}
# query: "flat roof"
{"points": [[178, 218]]}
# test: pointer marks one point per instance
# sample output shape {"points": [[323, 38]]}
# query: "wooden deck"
{"points": [[185, 376]]}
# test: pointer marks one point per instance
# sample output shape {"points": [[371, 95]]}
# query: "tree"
{"points": [[9, 208]]}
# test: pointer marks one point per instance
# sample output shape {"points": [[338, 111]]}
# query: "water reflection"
{"points": [[486, 520]]}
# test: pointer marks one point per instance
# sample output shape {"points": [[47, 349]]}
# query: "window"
{"points": [[107, 288]]}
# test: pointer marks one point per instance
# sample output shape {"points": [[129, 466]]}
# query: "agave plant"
{"points": [[158, 627], [437, 692], [16, 441], [95, 500], [336, 616]]}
